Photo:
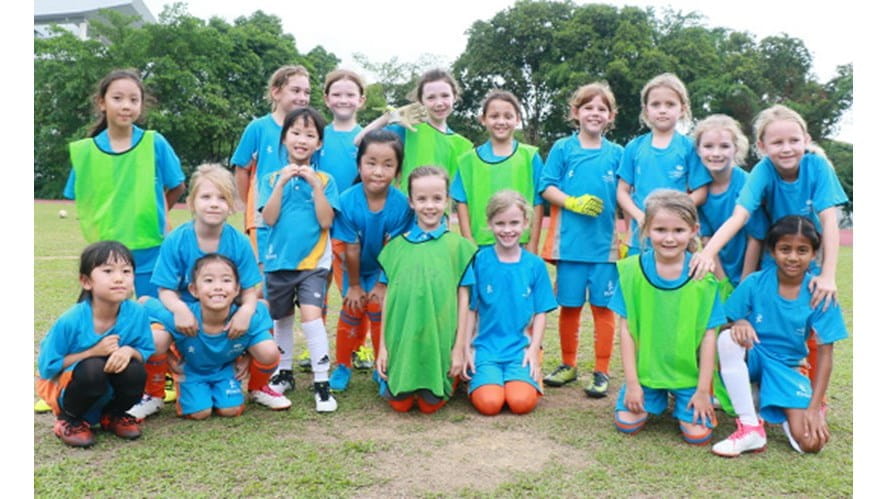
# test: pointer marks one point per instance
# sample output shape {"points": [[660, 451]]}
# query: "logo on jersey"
{"points": [[679, 171], [808, 208], [269, 149], [759, 319], [191, 349], [489, 289], [527, 293], [571, 173], [611, 288], [609, 177]]}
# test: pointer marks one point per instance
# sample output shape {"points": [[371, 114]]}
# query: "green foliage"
{"points": [[841, 156], [542, 51], [208, 78], [394, 81]]}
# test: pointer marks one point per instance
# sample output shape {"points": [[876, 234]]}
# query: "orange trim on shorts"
{"points": [[51, 389]]}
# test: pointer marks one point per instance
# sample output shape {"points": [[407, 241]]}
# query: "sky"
{"points": [[381, 30]]}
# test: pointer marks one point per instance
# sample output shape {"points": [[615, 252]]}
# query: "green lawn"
{"points": [[566, 447]]}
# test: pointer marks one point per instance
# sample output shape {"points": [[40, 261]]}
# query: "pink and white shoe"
{"points": [[744, 439]]}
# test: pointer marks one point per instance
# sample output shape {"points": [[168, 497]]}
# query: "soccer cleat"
{"points": [[323, 401], [125, 426], [745, 439], [271, 399], [41, 406], [561, 376], [340, 378], [363, 359], [147, 406], [304, 361], [282, 381], [74, 433], [791, 440], [169, 391], [599, 385]]}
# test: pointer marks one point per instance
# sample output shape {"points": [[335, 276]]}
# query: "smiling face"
{"points": [[793, 254], [111, 282], [663, 108], [500, 118], [428, 198], [670, 235], [784, 142], [301, 140], [294, 94], [378, 166], [717, 149], [215, 286], [508, 225], [122, 103], [438, 99], [343, 98], [593, 116]]}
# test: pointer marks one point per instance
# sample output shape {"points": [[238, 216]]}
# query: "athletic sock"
{"points": [[568, 327], [604, 330], [283, 335], [734, 372], [318, 348]]}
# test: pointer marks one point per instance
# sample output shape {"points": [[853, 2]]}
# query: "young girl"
{"points": [[258, 153], [510, 298], [499, 163], [431, 142], [772, 318], [299, 210], [663, 158], [667, 336], [427, 271], [372, 212], [206, 377], [722, 147], [91, 362], [789, 180], [579, 182], [124, 179], [343, 94], [211, 196]]}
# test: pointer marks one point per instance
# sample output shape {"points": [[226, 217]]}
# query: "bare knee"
{"points": [[265, 352], [199, 415], [229, 412]]}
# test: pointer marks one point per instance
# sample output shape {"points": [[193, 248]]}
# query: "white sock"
{"points": [[319, 348], [283, 335], [734, 372]]}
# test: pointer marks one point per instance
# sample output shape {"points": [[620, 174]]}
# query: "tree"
{"points": [[208, 78]]}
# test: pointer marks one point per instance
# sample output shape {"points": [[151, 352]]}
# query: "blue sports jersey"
{"points": [[296, 241], [507, 296], [816, 188], [485, 152], [338, 156], [648, 264], [356, 224], [716, 210], [74, 332], [168, 171], [180, 250], [576, 170], [260, 141], [210, 355], [783, 325], [646, 168]]}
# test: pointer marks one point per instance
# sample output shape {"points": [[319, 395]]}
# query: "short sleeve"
{"points": [[168, 271], [829, 324], [699, 175], [468, 277], [755, 189], [143, 339], [247, 147], [717, 317], [400, 130], [738, 305], [344, 229], [169, 167], [543, 294], [69, 186], [457, 190], [54, 347], [247, 266], [829, 192], [553, 169], [626, 164], [260, 324], [331, 192]]}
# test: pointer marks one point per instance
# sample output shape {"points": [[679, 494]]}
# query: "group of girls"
{"points": [[443, 306]]}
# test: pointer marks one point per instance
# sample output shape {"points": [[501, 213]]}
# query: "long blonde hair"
{"points": [[673, 83], [216, 175], [677, 202], [724, 122]]}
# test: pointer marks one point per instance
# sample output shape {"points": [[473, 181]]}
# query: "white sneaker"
{"points": [[282, 381], [744, 439], [275, 401], [788, 432], [323, 400], [147, 406]]}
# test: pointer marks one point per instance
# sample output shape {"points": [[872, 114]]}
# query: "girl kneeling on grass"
{"points": [[510, 297], [207, 379], [428, 274], [767, 345], [91, 362], [667, 334]]}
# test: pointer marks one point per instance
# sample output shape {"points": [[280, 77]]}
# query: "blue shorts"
{"points": [[578, 282], [782, 386], [656, 401], [220, 393], [498, 373]]}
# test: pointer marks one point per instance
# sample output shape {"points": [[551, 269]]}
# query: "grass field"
{"points": [[566, 447]]}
